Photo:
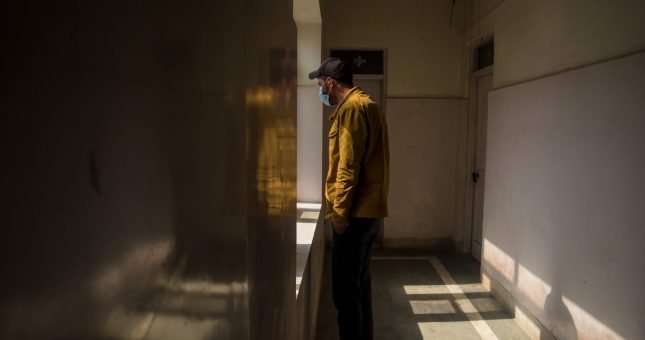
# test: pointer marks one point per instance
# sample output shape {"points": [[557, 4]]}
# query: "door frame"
{"points": [[327, 53], [471, 155], [378, 243]]}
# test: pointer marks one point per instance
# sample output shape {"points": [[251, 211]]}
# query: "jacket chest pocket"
{"points": [[333, 140], [333, 132]]}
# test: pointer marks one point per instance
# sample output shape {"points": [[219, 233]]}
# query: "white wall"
{"points": [[564, 199], [425, 135], [536, 38], [563, 204], [310, 113], [309, 50]]}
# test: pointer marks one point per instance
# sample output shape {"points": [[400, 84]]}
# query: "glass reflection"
{"points": [[273, 135]]}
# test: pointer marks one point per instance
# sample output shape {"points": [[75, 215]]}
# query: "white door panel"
{"points": [[484, 85]]}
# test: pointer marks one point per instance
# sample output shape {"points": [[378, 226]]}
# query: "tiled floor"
{"points": [[412, 301]]}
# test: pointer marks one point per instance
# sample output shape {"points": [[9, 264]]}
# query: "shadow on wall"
{"points": [[536, 295], [564, 324]]}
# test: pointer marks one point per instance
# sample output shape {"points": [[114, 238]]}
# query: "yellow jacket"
{"points": [[359, 157]]}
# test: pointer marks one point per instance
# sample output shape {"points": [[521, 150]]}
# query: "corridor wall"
{"points": [[563, 206], [148, 173], [424, 106]]}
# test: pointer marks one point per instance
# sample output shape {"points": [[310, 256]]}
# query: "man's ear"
{"points": [[332, 83]]}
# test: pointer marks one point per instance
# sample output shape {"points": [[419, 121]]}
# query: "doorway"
{"points": [[373, 85], [481, 84]]}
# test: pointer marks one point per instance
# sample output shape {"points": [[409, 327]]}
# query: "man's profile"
{"points": [[356, 192]]}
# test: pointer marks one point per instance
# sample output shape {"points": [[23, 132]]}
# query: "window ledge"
{"points": [[306, 222]]}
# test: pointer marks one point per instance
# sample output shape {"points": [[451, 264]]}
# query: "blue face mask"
{"points": [[324, 97]]}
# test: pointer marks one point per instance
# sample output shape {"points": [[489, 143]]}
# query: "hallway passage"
{"points": [[425, 296]]}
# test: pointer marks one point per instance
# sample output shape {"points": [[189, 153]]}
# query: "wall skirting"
{"points": [[527, 321]]}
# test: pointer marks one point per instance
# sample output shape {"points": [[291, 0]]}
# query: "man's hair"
{"points": [[345, 82]]}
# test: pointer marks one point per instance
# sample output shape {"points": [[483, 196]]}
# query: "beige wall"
{"points": [[563, 201], [309, 51], [310, 113], [564, 198], [425, 136], [424, 78], [538, 38], [423, 52], [475, 10]]}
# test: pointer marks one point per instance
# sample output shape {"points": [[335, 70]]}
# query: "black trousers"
{"points": [[351, 281]]}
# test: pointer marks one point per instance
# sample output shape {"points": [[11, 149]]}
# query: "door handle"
{"points": [[475, 176]]}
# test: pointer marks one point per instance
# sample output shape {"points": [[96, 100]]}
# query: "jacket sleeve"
{"points": [[352, 138]]}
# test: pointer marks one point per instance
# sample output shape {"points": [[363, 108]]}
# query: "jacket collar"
{"points": [[333, 114]]}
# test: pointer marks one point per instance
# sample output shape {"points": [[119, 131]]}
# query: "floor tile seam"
{"points": [[476, 320]]}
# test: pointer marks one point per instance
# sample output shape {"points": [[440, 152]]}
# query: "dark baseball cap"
{"points": [[334, 68]]}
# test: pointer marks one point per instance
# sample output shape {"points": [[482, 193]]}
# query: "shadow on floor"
{"points": [[411, 301]]}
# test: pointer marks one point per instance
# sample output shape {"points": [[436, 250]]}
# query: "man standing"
{"points": [[356, 192]]}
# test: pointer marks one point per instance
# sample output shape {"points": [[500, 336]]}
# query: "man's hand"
{"points": [[340, 228]]}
